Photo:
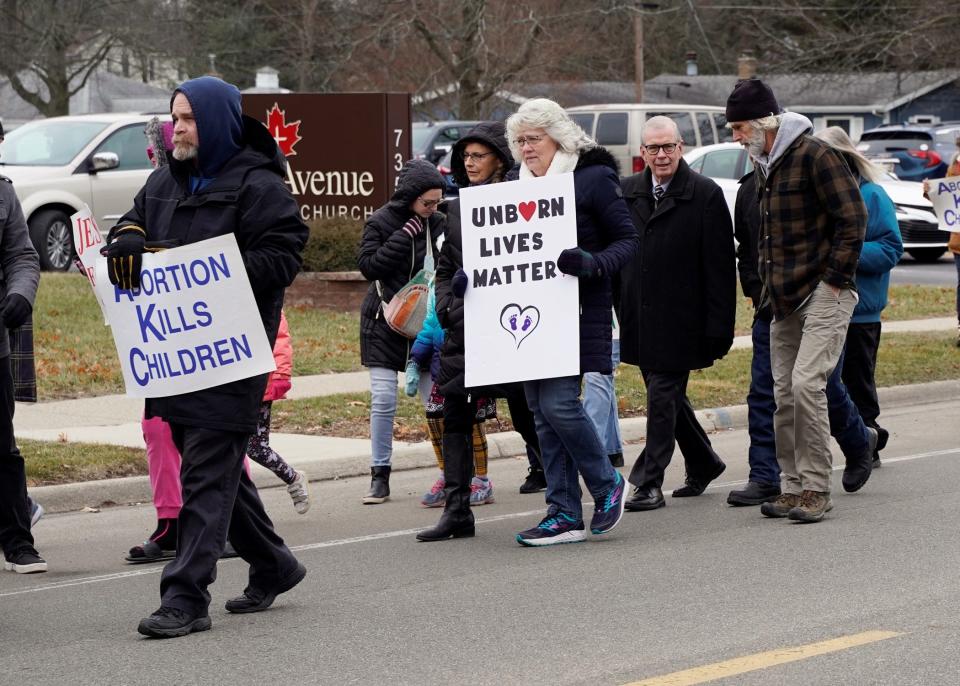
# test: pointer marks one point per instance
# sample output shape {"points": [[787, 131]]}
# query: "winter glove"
{"points": [[15, 309], [459, 283], [579, 263], [413, 378], [124, 259], [718, 346], [413, 227], [124, 254]]}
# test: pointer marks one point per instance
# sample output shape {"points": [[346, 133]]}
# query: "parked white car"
{"points": [[726, 163], [59, 164]]}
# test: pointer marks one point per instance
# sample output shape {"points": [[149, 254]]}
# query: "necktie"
{"points": [[657, 194]]}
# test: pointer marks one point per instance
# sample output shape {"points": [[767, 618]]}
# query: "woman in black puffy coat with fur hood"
{"points": [[392, 250]]}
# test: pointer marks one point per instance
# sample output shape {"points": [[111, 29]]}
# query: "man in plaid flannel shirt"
{"points": [[813, 225]]}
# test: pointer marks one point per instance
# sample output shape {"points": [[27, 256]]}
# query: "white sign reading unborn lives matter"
{"points": [[519, 322], [521, 314]]}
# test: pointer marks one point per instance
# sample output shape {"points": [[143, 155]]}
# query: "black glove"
{"points": [[124, 256], [16, 309], [718, 346], [413, 227], [459, 282], [579, 263]]}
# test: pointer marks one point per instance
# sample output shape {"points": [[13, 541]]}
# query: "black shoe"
{"points": [[536, 482], [257, 599], [877, 464], [754, 493], [616, 459], [694, 487], [379, 486], [448, 527], [857, 471], [647, 498], [457, 519], [25, 561], [169, 622]]}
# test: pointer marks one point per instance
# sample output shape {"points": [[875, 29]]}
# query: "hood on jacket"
{"points": [[792, 126], [598, 155], [415, 178], [216, 109], [492, 134]]}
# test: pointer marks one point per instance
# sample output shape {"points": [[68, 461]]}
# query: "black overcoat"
{"points": [[681, 287]]}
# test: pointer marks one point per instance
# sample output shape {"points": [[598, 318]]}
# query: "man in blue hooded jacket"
{"points": [[226, 177]]}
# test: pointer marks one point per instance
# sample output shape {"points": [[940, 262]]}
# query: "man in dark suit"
{"points": [[677, 307]]}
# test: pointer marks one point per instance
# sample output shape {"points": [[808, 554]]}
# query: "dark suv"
{"points": [[918, 151]]}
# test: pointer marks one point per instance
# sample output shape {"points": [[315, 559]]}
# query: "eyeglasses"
{"points": [[429, 203], [532, 140], [667, 148], [475, 156]]}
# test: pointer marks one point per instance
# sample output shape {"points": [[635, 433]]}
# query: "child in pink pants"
{"points": [[163, 461]]}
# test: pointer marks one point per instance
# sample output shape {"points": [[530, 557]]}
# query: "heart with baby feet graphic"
{"points": [[519, 321]]}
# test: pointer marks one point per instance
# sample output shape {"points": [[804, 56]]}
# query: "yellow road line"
{"points": [[750, 663]]}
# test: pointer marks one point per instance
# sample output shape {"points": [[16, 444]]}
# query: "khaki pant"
{"points": [[804, 350]]}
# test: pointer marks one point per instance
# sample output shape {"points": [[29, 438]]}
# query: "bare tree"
{"points": [[467, 52], [51, 48]]}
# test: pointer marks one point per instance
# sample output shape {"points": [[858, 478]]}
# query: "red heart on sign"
{"points": [[527, 209]]}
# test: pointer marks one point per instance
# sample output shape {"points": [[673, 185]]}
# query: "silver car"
{"points": [[59, 164]]}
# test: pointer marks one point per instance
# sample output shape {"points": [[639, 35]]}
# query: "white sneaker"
{"points": [[299, 492]]}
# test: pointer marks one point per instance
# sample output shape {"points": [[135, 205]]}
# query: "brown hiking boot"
{"points": [[813, 505], [781, 506]]}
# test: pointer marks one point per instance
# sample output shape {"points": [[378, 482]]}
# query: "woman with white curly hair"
{"points": [[547, 141]]}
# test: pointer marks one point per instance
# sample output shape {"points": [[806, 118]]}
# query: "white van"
{"points": [[617, 127]]}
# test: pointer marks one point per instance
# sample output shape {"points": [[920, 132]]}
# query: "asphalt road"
{"points": [[694, 586], [943, 272]]}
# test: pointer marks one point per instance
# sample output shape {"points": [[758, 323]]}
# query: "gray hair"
{"points": [[838, 139], [660, 123], [769, 123], [540, 113]]}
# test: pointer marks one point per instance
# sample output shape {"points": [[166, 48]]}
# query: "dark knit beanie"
{"points": [[751, 99]]}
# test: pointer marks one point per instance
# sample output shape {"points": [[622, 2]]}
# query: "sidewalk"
{"points": [[115, 419]]}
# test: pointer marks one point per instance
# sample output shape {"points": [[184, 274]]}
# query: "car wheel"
{"points": [[926, 254], [52, 236]]}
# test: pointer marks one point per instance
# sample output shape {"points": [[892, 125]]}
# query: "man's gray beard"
{"points": [[183, 153], [755, 144]]}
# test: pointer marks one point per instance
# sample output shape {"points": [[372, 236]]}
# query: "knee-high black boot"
{"points": [[457, 519]]}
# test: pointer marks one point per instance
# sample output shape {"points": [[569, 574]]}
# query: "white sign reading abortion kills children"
{"points": [[193, 324], [521, 314]]}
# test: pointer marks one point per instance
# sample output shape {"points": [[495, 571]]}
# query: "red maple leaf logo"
{"points": [[286, 135]]}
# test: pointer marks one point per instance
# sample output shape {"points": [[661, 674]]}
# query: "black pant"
{"points": [[671, 421], [14, 514], [859, 368], [523, 422], [219, 499]]}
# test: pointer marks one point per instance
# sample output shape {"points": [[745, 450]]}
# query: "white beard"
{"points": [[755, 144], [183, 153]]}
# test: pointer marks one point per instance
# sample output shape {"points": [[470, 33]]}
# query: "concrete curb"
{"points": [[136, 489]]}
